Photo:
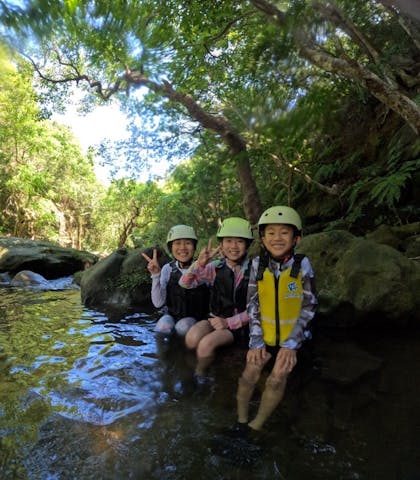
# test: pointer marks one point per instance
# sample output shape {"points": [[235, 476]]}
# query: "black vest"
{"points": [[186, 302], [225, 301]]}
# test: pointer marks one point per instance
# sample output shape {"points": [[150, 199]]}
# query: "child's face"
{"points": [[233, 248], [183, 249], [278, 239]]}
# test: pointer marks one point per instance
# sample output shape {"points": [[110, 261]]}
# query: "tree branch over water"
{"points": [[218, 124], [280, 161], [384, 89]]}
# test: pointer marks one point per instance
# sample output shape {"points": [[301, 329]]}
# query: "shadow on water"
{"points": [[88, 395]]}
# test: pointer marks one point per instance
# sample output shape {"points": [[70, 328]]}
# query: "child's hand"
{"points": [[218, 323], [207, 254], [152, 265], [257, 356], [285, 361]]}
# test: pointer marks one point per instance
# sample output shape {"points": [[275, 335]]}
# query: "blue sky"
{"points": [[103, 123]]}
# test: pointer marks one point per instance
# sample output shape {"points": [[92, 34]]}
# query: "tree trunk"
{"points": [[216, 123], [221, 126]]}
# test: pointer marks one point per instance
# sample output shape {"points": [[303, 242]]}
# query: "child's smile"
{"points": [[234, 248], [183, 250], [278, 239]]}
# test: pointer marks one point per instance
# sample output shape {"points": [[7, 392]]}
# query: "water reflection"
{"points": [[85, 394]]}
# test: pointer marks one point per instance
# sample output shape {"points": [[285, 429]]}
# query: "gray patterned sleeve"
{"points": [[253, 309]]}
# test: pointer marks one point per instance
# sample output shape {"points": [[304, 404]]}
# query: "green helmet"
{"points": [[281, 214], [180, 231], [235, 227]]}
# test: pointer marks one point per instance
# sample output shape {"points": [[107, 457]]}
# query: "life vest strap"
{"points": [[294, 273], [262, 265], [298, 257]]}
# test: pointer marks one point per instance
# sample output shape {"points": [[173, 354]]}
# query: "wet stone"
{"points": [[345, 364], [237, 451]]}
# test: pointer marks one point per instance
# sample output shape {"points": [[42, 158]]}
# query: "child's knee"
{"points": [[252, 373], [192, 338], [183, 325], [276, 381], [205, 348], [165, 324]]}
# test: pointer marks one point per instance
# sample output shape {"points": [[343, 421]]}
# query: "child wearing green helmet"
{"points": [[281, 305], [227, 277], [183, 307]]}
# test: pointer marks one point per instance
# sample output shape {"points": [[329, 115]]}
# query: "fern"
{"points": [[357, 192], [388, 189]]}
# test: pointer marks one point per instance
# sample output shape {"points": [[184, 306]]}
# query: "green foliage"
{"points": [[127, 208], [48, 185], [236, 65], [130, 281], [387, 190], [380, 186]]}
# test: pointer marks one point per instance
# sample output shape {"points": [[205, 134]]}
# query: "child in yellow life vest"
{"points": [[281, 303]]}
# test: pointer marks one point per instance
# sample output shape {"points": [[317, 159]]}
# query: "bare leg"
{"points": [[202, 365], [274, 386], [246, 387], [207, 347], [196, 333], [271, 397]]}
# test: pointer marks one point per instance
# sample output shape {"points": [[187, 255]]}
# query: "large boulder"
{"points": [[361, 281], [405, 238], [45, 258], [119, 280]]}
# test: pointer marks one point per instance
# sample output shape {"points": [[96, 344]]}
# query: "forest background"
{"points": [[307, 103]]}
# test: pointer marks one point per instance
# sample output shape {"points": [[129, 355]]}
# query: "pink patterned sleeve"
{"points": [[237, 321], [197, 275]]}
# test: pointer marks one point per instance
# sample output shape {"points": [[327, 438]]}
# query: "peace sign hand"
{"points": [[152, 263], [207, 254]]}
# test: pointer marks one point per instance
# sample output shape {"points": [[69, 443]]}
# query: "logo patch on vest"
{"points": [[292, 287]]}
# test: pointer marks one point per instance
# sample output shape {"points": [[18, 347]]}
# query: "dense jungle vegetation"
{"points": [[309, 103]]}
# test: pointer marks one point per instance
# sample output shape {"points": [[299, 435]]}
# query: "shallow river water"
{"points": [[88, 395]]}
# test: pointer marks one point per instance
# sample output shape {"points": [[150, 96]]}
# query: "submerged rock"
{"points": [[5, 279], [26, 278]]}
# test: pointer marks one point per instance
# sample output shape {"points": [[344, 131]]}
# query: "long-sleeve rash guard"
{"points": [[197, 275]]}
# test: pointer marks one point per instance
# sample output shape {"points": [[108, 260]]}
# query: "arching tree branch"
{"points": [[280, 161], [386, 92], [215, 123]]}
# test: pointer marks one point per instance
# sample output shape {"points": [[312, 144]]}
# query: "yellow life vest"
{"points": [[280, 304]]}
